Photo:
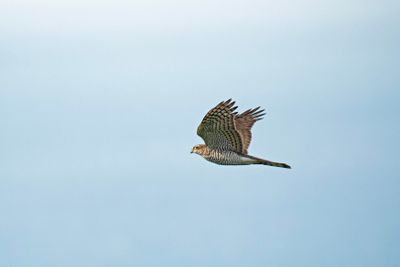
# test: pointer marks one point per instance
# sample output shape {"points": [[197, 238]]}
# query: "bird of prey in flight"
{"points": [[227, 136]]}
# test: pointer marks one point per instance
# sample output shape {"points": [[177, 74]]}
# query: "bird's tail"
{"points": [[269, 163]]}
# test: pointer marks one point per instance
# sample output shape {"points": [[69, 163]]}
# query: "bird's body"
{"points": [[227, 136], [227, 157], [223, 157]]}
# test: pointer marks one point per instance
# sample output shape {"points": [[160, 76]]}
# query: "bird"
{"points": [[227, 136]]}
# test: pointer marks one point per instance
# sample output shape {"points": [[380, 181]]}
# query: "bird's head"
{"points": [[199, 149]]}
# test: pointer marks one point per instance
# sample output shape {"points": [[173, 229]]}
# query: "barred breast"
{"points": [[224, 157]]}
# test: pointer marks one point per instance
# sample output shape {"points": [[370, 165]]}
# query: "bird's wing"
{"points": [[243, 124], [218, 128]]}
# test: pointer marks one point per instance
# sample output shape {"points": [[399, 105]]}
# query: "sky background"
{"points": [[99, 104]]}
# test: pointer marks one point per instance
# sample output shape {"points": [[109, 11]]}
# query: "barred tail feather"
{"points": [[275, 164], [269, 163]]}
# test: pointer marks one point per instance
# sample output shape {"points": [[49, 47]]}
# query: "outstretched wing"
{"points": [[243, 124], [218, 128]]}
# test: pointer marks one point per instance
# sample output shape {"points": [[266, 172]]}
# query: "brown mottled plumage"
{"points": [[227, 136]]}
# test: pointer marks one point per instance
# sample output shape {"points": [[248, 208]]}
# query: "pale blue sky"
{"points": [[99, 104]]}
